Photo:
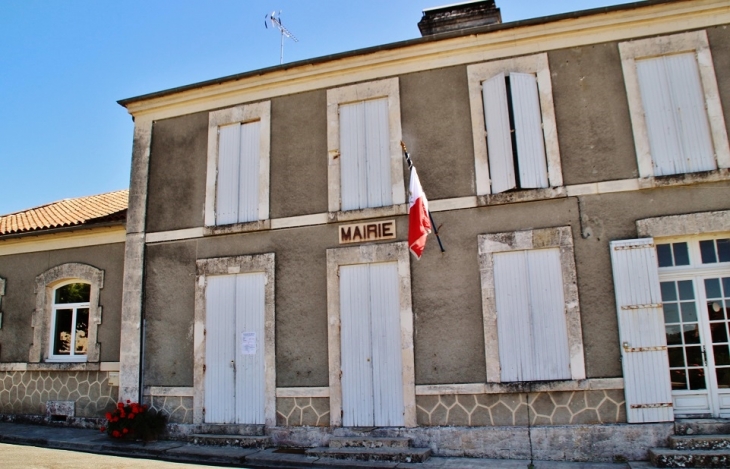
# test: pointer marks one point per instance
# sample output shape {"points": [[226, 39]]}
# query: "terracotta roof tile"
{"points": [[67, 212]]}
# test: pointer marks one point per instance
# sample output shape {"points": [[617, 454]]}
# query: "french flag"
{"points": [[419, 223]]}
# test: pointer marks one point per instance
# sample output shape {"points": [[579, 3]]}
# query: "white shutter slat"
{"points": [[499, 140], [386, 340], [229, 140], [528, 131], [219, 349], [250, 380], [692, 123], [356, 348], [353, 176], [377, 138], [514, 323], [248, 175], [641, 325], [550, 333]]}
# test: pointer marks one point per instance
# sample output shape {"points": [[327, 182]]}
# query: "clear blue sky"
{"points": [[64, 64]]}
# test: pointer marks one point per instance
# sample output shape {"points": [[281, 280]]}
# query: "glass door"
{"points": [[695, 286]]}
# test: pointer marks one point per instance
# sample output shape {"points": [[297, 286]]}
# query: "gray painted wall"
{"points": [[178, 158], [592, 114], [299, 154], [437, 130], [719, 38], [20, 271]]}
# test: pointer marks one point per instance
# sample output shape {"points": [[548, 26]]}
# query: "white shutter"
{"points": [[356, 348], [547, 304], [499, 140], [514, 322], [531, 326], [377, 138], [248, 176], [528, 130], [220, 344], [229, 141], [387, 360], [250, 380], [679, 134], [353, 176], [641, 331]]}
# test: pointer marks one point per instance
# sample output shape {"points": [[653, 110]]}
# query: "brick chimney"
{"points": [[459, 16]]}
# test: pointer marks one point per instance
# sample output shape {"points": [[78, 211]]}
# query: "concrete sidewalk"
{"points": [[91, 441]]}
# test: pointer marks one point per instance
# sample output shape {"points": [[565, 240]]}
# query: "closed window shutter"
{"points": [[679, 133], [250, 369], [499, 140], [528, 130], [644, 357], [248, 177], [220, 307], [531, 327], [365, 156], [229, 143], [377, 135]]}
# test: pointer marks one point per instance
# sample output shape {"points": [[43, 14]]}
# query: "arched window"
{"points": [[70, 321], [67, 314]]}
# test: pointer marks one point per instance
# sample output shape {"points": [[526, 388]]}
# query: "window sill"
{"points": [[374, 212], [525, 195], [259, 225], [716, 175], [51, 366]]}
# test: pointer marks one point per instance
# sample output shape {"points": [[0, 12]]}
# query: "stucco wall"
{"points": [[176, 196], [592, 113], [20, 271], [299, 154], [169, 311], [437, 130]]}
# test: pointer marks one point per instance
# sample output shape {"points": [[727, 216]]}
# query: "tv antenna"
{"points": [[275, 20]]}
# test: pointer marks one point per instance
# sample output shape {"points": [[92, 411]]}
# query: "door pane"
{"points": [[717, 304], [684, 340], [82, 330]]}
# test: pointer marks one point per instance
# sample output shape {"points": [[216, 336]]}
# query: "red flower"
{"points": [[108, 415], [128, 401], [120, 406], [125, 431], [131, 416], [116, 434], [103, 429]]}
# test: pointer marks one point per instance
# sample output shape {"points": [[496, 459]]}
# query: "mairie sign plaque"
{"points": [[371, 231]]}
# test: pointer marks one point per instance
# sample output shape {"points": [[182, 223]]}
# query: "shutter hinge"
{"points": [[204, 368], [659, 348], [633, 246], [647, 306], [651, 406]]}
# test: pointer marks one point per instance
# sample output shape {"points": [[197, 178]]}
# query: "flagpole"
{"points": [[433, 223]]}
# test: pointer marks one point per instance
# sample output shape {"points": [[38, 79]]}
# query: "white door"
{"points": [[372, 379], [695, 284], [234, 349]]}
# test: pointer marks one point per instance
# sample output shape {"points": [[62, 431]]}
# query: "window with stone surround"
{"points": [[532, 328], [513, 125], [67, 314], [237, 184], [676, 114], [365, 163]]}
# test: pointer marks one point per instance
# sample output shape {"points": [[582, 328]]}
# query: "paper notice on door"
{"points": [[248, 343]]}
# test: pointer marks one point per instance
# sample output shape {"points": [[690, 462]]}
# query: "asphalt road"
{"points": [[31, 457]]}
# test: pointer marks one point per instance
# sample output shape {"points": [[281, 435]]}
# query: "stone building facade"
{"points": [[577, 167]]}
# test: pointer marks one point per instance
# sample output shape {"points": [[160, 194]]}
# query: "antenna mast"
{"points": [[276, 23]]}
